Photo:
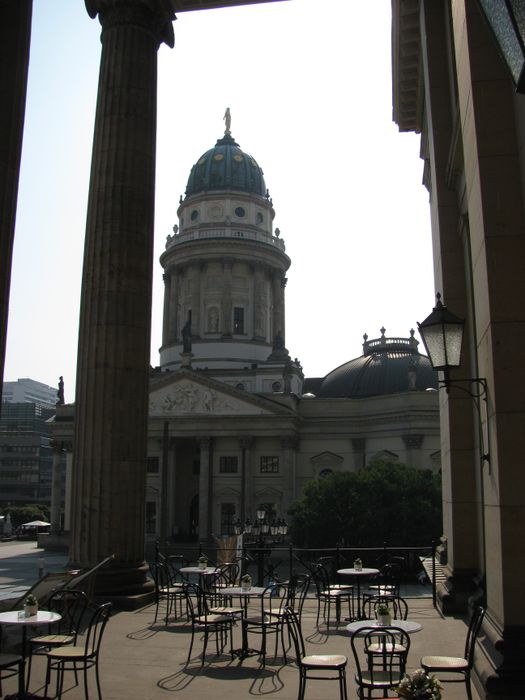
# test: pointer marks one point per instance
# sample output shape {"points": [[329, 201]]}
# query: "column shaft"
{"points": [[110, 449]]}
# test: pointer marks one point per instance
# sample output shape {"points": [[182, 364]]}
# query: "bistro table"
{"points": [[202, 573], [358, 573], [408, 626], [18, 617], [245, 594]]}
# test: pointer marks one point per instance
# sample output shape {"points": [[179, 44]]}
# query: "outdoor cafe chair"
{"points": [[453, 664], [321, 667], [386, 582], [169, 587], [396, 604], [269, 619], [330, 596], [383, 671], [12, 665], [217, 602], [81, 656], [71, 605], [204, 620]]}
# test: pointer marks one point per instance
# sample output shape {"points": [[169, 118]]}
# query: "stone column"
{"points": [[278, 283], [173, 318], [109, 469], [226, 301], [15, 36], [204, 487], [166, 311], [245, 444], [289, 447], [196, 328], [56, 489], [412, 443], [359, 446]]}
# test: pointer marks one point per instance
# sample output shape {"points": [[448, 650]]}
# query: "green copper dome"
{"points": [[226, 167]]}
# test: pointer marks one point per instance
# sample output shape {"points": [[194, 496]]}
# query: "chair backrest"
{"points": [[386, 652], [276, 597], [301, 588], [96, 628], [72, 606], [161, 577], [231, 572], [196, 603], [472, 634], [294, 629], [398, 606], [319, 577]]}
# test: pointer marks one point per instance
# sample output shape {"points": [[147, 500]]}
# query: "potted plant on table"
{"points": [[246, 582], [419, 685], [358, 564], [203, 562], [30, 605], [383, 614]]}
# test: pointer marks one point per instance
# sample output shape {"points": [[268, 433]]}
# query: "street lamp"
{"points": [[442, 335], [261, 534]]}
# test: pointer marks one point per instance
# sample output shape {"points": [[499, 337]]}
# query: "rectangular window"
{"points": [[228, 465], [151, 517], [238, 319], [269, 465], [227, 517], [153, 465]]}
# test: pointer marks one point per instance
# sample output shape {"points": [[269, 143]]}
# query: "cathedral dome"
{"points": [[387, 366], [224, 167]]}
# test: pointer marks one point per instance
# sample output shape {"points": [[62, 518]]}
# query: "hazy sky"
{"points": [[309, 89]]}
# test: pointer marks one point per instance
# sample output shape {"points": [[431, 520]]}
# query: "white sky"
{"points": [[309, 88]]}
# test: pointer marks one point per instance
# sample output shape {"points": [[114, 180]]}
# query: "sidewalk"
{"points": [[141, 660]]}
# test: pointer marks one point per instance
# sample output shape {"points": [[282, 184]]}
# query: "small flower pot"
{"points": [[385, 620], [358, 567], [203, 564], [30, 610], [245, 586]]}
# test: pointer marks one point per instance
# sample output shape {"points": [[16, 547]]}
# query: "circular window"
{"points": [[240, 212], [194, 215]]}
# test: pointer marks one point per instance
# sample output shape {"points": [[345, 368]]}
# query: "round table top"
{"points": [[358, 572], [197, 570], [237, 590], [408, 626], [17, 617]]}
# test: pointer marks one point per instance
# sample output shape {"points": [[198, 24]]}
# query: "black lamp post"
{"points": [[442, 335], [261, 534]]}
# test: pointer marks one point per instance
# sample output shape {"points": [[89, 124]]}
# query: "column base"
{"points": [[126, 586], [459, 592], [498, 665]]}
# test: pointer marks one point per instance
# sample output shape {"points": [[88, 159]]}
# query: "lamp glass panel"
{"points": [[510, 42]]}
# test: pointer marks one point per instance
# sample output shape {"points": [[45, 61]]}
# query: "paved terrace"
{"points": [[146, 661]]}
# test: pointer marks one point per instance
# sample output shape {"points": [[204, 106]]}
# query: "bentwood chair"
{"points": [[454, 664], [71, 605], [204, 620], [169, 587], [269, 618], [81, 656], [321, 667], [12, 665], [383, 671], [330, 596]]}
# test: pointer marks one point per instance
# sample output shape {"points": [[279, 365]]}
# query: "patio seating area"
{"points": [[146, 659]]}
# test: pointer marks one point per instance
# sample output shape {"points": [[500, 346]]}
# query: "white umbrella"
{"points": [[36, 523]]}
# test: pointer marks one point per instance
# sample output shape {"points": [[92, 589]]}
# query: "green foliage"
{"points": [[25, 514], [384, 502]]}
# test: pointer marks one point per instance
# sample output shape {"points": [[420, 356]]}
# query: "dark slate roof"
{"points": [[226, 166], [387, 366]]}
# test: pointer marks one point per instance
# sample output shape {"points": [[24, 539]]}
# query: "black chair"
{"points": [[205, 621], [384, 669], [218, 603], [12, 664], [169, 587], [386, 582], [71, 605], [456, 664], [81, 656], [315, 666], [329, 595], [398, 606], [269, 618]]}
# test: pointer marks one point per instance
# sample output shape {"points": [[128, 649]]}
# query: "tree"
{"points": [[27, 513], [383, 502]]}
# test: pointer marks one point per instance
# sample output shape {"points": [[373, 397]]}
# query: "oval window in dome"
{"points": [[194, 215], [240, 212]]}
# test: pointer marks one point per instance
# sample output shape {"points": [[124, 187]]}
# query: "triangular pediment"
{"points": [[326, 459], [185, 392]]}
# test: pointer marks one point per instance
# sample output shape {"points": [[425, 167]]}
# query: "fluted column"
{"points": [[226, 301], [15, 36], [109, 469], [205, 487], [166, 278], [278, 284], [56, 489], [174, 323]]}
